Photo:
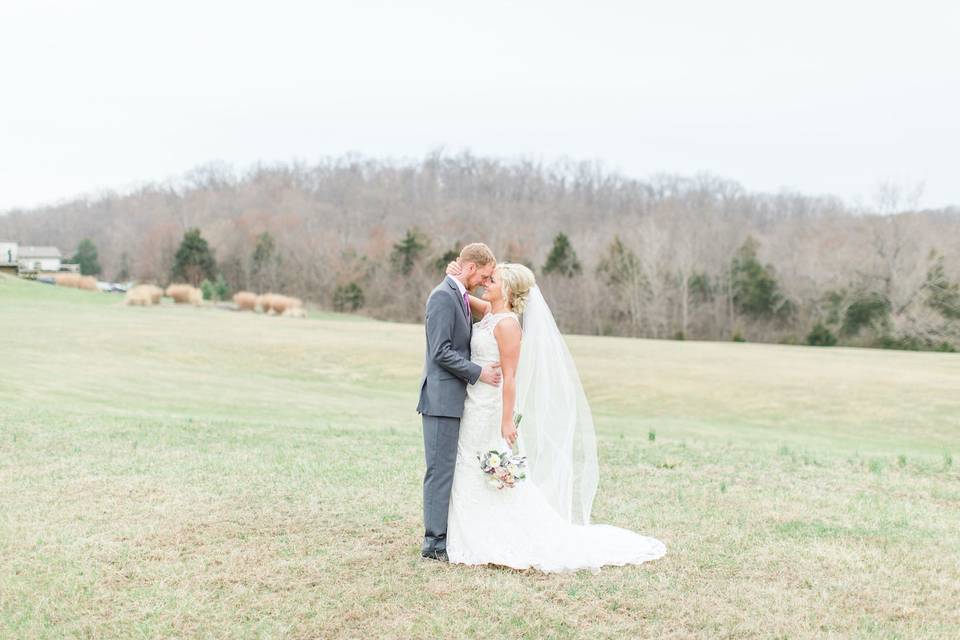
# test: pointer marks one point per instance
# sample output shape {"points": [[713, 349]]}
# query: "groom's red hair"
{"points": [[477, 253]]}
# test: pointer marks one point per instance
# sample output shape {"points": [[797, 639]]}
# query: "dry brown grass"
{"points": [[267, 484]]}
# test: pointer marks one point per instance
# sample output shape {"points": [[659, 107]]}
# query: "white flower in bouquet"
{"points": [[505, 468]]}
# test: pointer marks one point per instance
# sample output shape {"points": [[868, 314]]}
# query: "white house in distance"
{"points": [[30, 261], [36, 259]]}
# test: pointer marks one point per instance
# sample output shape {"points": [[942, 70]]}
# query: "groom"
{"points": [[447, 371]]}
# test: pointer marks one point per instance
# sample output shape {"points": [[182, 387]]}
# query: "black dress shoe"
{"points": [[440, 555]]}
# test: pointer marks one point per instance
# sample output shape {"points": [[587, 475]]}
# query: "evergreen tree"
{"points": [[448, 257], [194, 259], [755, 290], [263, 260], [620, 266], [86, 257], [562, 258], [407, 251], [944, 296]]}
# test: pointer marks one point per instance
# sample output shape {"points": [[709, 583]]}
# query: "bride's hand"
{"points": [[453, 269], [509, 432]]}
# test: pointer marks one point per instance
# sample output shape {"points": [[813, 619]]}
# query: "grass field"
{"points": [[195, 472]]}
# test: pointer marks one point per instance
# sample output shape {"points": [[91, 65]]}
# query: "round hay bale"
{"points": [[156, 293], [245, 300], [265, 302], [279, 304], [67, 279], [179, 292], [139, 296]]}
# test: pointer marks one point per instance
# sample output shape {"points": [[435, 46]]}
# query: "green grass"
{"points": [[192, 472]]}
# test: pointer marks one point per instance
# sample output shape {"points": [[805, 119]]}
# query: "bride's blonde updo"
{"points": [[516, 280]]}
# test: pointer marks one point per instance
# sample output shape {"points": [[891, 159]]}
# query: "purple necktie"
{"points": [[466, 305]]}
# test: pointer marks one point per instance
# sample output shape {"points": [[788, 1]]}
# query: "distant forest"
{"points": [[666, 257]]}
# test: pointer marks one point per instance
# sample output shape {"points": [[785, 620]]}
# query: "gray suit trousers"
{"points": [[440, 435]]}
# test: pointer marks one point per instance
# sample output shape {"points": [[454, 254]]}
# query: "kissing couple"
{"points": [[508, 381]]}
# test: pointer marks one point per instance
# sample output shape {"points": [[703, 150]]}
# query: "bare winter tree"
{"points": [[655, 255]]}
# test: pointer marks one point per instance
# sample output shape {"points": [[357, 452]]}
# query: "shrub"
{"points": [[207, 288], [221, 290], [912, 343], [348, 297], [821, 336], [869, 309]]}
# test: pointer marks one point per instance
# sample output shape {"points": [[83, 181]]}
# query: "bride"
{"points": [[542, 522]]}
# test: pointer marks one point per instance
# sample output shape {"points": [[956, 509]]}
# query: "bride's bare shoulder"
{"points": [[508, 327]]}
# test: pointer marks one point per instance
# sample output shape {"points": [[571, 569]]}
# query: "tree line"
{"points": [[668, 257]]}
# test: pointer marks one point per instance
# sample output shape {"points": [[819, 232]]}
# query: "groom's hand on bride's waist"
{"points": [[491, 374]]}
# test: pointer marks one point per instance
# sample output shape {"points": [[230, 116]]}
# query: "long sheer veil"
{"points": [[556, 431]]}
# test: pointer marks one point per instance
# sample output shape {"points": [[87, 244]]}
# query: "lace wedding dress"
{"points": [[518, 527]]}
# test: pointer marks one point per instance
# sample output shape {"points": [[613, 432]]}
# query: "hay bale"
{"points": [[139, 296], [245, 300], [195, 296], [88, 283], [144, 295], [265, 302], [279, 304], [180, 293], [67, 279], [155, 293]]}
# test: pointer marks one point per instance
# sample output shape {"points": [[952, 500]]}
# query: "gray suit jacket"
{"points": [[447, 368]]}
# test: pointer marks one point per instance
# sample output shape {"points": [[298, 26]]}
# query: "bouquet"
{"points": [[504, 468]]}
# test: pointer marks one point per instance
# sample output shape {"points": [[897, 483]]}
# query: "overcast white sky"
{"points": [[818, 96]]}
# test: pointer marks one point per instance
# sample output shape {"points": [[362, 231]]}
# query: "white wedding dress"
{"points": [[518, 527]]}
